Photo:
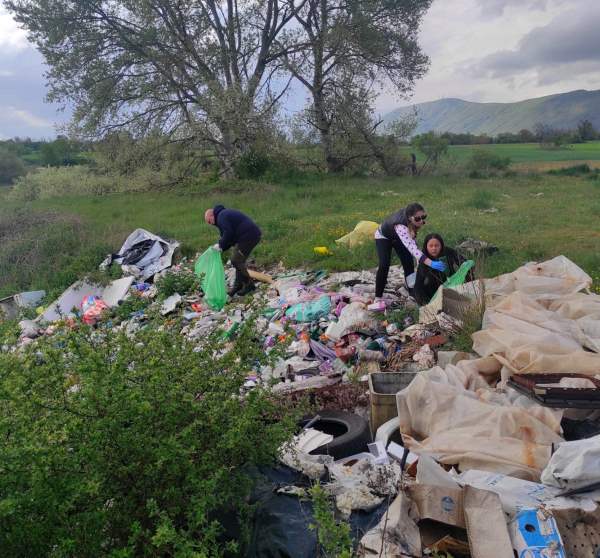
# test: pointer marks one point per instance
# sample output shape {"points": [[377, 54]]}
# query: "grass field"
{"points": [[530, 156], [50, 243]]}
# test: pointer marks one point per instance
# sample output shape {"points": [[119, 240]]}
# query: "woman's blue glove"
{"points": [[439, 266]]}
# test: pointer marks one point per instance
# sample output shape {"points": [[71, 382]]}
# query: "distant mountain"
{"points": [[564, 110]]}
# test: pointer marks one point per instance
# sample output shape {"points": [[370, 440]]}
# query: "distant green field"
{"points": [[49, 243], [531, 152], [529, 155]]}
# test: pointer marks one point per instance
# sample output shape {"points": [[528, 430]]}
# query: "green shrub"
{"points": [[252, 164], [54, 182], [485, 163], [575, 170], [11, 167], [482, 199], [333, 535], [122, 447], [182, 281]]}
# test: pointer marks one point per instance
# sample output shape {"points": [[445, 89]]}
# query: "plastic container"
{"points": [[383, 387]]}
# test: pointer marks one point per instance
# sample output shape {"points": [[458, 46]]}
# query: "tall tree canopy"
{"points": [[212, 71]]}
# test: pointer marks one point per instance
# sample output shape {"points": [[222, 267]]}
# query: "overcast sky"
{"points": [[480, 50]]}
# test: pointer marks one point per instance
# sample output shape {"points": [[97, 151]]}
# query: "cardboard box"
{"points": [[439, 504]]}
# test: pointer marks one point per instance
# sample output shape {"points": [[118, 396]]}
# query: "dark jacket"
{"points": [[235, 227], [388, 226], [428, 280]]}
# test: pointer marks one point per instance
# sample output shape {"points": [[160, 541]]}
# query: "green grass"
{"points": [[526, 152], [539, 216]]}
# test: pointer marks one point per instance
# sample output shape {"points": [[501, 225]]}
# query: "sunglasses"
{"points": [[419, 218]]}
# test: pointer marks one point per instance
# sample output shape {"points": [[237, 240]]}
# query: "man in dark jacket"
{"points": [[241, 232]]}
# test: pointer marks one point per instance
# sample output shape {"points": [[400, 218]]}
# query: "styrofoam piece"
{"points": [[116, 291]]}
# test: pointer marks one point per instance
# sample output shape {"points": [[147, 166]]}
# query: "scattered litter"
{"points": [[11, 305], [71, 299], [333, 345], [92, 308], [472, 247], [170, 304]]}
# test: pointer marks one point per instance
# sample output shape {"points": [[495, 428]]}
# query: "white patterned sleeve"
{"points": [[409, 242]]}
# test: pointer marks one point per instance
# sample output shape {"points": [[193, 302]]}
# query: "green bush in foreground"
{"points": [[122, 447]]}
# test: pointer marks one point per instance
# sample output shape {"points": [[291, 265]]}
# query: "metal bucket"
{"points": [[383, 387]]}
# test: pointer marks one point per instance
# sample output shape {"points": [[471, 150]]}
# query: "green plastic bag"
{"points": [[310, 311], [460, 276], [210, 267]]}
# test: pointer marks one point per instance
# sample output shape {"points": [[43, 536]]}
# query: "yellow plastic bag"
{"points": [[322, 251], [364, 230]]}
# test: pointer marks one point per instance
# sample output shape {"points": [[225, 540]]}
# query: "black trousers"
{"points": [[384, 253], [239, 256]]}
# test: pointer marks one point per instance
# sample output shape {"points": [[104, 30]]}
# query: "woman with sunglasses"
{"points": [[399, 232]]}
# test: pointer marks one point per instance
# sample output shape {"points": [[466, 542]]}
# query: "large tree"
{"points": [[344, 49], [195, 69]]}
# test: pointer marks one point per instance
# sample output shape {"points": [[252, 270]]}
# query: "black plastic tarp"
{"points": [[281, 526]]}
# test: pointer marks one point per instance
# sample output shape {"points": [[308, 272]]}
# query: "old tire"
{"points": [[351, 433]]}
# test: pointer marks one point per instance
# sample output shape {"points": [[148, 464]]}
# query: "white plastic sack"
{"points": [[574, 464], [353, 317]]}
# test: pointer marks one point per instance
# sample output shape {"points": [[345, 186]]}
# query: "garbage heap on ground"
{"points": [[494, 452]]}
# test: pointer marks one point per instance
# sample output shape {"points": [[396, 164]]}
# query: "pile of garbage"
{"points": [[473, 454], [493, 453], [324, 326]]}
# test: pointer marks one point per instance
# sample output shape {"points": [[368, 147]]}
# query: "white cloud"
{"points": [[27, 117], [459, 35], [11, 35]]}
